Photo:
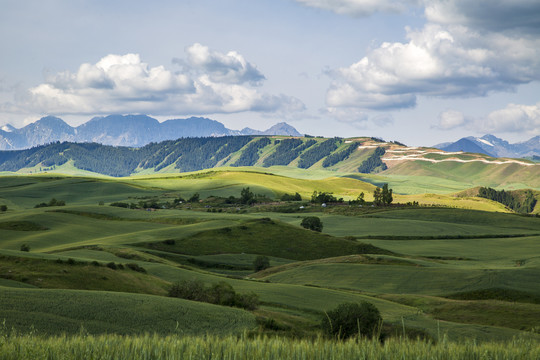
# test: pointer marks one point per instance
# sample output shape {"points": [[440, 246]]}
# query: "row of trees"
{"points": [[250, 155], [316, 153], [287, 151], [344, 154], [221, 293], [373, 162], [521, 204]]}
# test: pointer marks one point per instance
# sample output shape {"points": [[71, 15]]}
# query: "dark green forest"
{"points": [[287, 151], [250, 155], [316, 153], [521, 204], [334, 158], [373, 162]]}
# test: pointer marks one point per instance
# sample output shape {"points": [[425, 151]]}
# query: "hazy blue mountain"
{"points": [[494, 146], [122, 130], [466, 145]]}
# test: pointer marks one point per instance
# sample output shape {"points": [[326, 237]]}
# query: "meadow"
{"points": [[465, 271]]}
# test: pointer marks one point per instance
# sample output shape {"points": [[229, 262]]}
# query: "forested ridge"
{"points": [[186, 154]]}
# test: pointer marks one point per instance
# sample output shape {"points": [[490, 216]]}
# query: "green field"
{"points": [[457, 268]]}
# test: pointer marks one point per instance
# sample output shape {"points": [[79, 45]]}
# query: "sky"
{"points": [[420, 72]]}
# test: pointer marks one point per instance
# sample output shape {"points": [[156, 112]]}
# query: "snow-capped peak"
{"points": [[7, 128], [484, 141]]}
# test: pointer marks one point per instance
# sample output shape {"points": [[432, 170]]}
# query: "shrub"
{"points": [[70, 261], [25, 247], [261, 262], [3, 208], [221, 293], [312, 223], [136, 267], [112, 265], [120, 204], [350, 319]]}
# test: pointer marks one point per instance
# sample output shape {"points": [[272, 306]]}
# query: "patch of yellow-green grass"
{"points": [[216, 181]]}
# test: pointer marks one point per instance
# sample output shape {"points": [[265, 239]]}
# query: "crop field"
{"points": [[462, 268]]}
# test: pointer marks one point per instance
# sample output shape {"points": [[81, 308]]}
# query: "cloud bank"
{"points": [[465, 49], [209, 82]]}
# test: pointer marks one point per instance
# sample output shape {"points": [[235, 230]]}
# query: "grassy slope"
{"points": [[66, 311], [266, 237], [497, 266]]}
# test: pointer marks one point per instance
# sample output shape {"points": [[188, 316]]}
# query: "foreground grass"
{"points": [[211, 347]]}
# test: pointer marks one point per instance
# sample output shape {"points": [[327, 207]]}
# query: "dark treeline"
{"points": [[524, 206], [287, 151], [373, 162], [316, 153], [333, 159], [205, 153], [250, 155], [188, 154]]}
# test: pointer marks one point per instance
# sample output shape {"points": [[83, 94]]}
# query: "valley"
{"points": [[449, 263]]}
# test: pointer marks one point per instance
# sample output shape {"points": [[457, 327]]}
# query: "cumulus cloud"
{"points": [[451, 119], [359, 8], [229, 68], [513, 118], [436, 61], [211, 83], [463, 50], [499, 15]]}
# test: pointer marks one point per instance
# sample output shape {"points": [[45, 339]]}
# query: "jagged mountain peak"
{"points": [[124, 130], [494, 146]]}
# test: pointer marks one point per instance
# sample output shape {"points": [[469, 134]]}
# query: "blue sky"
{"points": [[417, 71]]}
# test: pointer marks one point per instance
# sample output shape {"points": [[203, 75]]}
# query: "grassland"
{"points": [[411, 262], [212, 347]]}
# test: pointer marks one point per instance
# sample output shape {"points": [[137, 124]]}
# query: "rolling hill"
{"points": [[409, 170]]}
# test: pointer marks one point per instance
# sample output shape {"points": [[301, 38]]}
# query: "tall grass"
{"points": [[82, 346]]}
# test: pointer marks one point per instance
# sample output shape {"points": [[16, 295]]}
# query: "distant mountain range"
{"points": [[123, 130], [494, 146]]}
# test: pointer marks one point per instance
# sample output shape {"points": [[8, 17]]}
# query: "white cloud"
{"points": [[465, 49], [451, 61], [228, 68], [359, 8], [513, 118], [451, 119], [213, 83]]}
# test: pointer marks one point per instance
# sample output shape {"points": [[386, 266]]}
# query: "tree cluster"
{"points": [[373, 162], [52, 202], [324, 197], [312, 223], [260, 263], [289, 197], [250, 155], [525, 205], [382, 197], [316, 153], [221, 293], [344, 154], [352, 319], [287, 151]]}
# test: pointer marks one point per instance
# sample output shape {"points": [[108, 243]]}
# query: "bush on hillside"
{"points": [[352, 319], [312, 223], [260, 263], [221, 293]]}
